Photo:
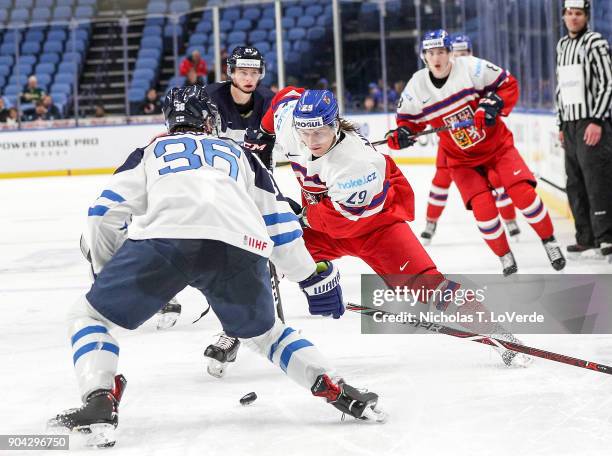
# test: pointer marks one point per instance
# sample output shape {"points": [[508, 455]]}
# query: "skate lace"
{"points": [[553, 251], [225, 342]]}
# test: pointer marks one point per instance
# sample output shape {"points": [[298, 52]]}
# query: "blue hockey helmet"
{"points": [[461, 42], [436, 39], [315, 108]]}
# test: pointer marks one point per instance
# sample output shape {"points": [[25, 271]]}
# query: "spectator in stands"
{"points": [[394, 93], [39, 112], [196, 62], [375, 92], [3, 111], [193, 78], [13, 117], [151, 105], [53, 111], [99, 111], [369, 104], [32, 92]]}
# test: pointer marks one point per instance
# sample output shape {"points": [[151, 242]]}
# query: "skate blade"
{"points": [[374, 415], [425, 241], [591, 254], [514, 359], [216, 369], [515, 239], [99, 435], [167, 320]]}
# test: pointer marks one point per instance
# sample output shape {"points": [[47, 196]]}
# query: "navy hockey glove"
{"points": [[323, 291], [261, 144], [488, 110]]}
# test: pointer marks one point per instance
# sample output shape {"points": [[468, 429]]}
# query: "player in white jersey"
{"points": [[356, 201], [206, 213], [440, 184]]}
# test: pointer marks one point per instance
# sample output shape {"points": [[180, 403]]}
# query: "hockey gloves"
{"points": [[488, 109], [400, 138], [323, 292], [260, 143]]}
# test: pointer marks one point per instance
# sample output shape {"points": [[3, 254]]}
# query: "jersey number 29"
{"points": [[193, 152]]}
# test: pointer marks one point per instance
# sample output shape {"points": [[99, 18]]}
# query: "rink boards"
{"points": [[100, 149]]}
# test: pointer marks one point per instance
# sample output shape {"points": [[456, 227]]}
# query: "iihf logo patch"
{"points": [[326, 100]]}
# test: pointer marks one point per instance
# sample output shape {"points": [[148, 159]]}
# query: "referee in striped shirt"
{"points": [[584, 99]]}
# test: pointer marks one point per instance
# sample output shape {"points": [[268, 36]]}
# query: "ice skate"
{"points": [[577, 252], [220, 353], [606, 251], [97, 417], [508, 264], [509, 357], [555, 255], [428, 232], [169, 314], [513, 230], [360, 404]]}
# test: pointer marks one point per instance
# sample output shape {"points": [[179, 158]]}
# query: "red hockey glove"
{"points": [[488, 109], [399, 139]]}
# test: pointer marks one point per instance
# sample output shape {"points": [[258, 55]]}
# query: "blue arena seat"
{"points": [[251, 14], [306, 22]]}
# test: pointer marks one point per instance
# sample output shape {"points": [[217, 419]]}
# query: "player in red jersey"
{"points": [[438, 193], [451, 90]]}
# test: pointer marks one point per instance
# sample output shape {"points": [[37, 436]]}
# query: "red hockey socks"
{"points": [[532, 207], [487, 219], [438, 194]]}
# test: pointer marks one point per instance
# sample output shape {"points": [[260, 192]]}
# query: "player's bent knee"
{"points": [[262, 343], [82, 310]]}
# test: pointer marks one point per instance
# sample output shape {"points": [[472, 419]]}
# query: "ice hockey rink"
{"points": [[443, 395]]}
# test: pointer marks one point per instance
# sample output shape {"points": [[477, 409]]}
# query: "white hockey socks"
{"points": [[95, 352]]}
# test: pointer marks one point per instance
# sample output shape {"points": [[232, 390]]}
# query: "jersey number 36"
{"points": [[192, 153]]}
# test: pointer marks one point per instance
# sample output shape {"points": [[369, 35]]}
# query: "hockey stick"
{"points": [[456, 125], [276, 293], [487, 340], [274, 276]]}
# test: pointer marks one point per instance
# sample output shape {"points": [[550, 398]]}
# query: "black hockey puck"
{"points": [[248, 399]]}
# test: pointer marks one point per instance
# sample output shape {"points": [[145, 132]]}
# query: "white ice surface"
{"points": [[443, 395]]}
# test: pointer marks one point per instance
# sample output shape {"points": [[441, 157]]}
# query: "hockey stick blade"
{"points": [[455, 126], [487, 340]]}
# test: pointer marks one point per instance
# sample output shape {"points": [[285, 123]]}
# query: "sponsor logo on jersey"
{"points": [[357, 182], [253, 243], [468, 136], [315, 122]]}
